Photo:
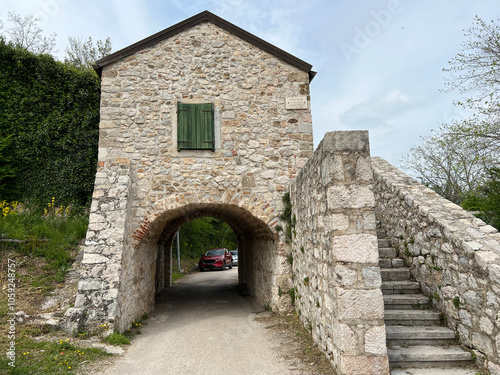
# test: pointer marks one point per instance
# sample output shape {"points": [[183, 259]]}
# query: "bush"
{"points": [[50, 116]]}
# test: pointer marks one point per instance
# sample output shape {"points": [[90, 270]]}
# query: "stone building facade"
{"points": [[148, 184]]}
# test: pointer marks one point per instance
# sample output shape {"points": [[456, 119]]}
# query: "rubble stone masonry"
{"points": [[454, 256], [145, 189]]}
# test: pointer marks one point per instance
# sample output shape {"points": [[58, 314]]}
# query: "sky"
{"points": [[379, 62]]}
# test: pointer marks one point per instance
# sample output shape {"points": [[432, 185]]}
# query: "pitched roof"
{"points": [[205, 16]]}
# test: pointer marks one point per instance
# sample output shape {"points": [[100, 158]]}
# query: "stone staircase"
{"points": [[417, 342]]}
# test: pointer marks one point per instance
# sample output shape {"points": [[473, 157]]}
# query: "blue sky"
{"points": [[379, 63]]}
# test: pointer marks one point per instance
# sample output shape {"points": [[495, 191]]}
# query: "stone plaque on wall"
{"points": [[296, 102]]}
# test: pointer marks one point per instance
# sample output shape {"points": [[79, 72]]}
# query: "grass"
{"points": [[49, 357], [52, 234], [43, 251], [117, 338]]}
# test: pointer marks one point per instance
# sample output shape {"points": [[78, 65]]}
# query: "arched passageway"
{"points": [[149, 265]]}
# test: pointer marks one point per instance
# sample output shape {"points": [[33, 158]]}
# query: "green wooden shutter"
{"points": [[184, 131], [195, 127], [206, 127]]}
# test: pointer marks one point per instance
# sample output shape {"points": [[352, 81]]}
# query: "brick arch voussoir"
{"points": [[150, 226]]}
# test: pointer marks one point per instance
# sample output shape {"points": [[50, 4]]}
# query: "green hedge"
{"points": [[50, 113]]}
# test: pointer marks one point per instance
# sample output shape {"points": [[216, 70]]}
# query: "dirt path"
{"points": [[203, 325]]}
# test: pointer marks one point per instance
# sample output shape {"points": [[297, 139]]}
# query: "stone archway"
{"points": [[148, 268]]}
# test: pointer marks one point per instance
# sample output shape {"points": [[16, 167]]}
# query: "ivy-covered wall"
{"points": [[49, 111]]}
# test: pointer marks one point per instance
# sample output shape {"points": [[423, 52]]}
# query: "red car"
{"points": [[216, 259]]}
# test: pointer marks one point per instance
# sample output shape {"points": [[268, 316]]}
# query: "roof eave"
{"points": [[204, 16]]}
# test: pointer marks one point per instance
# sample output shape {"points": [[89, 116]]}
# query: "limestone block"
{"points": [[89, 258], [346, 141], [341, 275], [494, 272], [338, 222], [353, 196], [493, 368], [355, 248], [486, 325], [360, 304], [375, 340], [364, 169], [483, 343], [344, 338], [90, 284], [372, 277], [332, 168], [364, 365]]}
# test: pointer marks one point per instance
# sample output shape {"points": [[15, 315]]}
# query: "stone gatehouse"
{"points": [[201, 119]]}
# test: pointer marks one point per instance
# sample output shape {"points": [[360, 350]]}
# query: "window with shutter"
{"points": [[195, 126]]}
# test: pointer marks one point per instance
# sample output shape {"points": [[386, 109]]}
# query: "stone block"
{"points": [[483, 343], [493, 368], [94, 258], [375, 340], [346, 141], [360, 304], [364, 169], [364, 365], [372, 277], [90, 284], [355, 248], [344, 338], [337, 222], [352, 196]]}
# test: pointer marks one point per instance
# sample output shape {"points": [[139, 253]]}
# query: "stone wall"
{"points": [[260, 146], [454, 256], [336, 277]]}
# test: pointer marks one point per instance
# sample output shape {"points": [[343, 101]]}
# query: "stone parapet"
{"points": [[454, 256], [336, 277]]}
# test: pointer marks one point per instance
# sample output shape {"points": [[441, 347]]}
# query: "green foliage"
{"points": [[203, 234], [287, 217], [52, 237], [486, 199], [50, 112], [291, 293], [7, 168], [48, 357], [117, 338]]}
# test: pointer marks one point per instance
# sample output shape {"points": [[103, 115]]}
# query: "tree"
{"points": [[83, 54], [455, 160], [449, 164], [486, 199], [26, 34]]}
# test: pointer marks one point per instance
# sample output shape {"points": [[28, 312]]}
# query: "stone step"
{"points": [[391, 263], [381, 234], [383, 242], [426, 356], [401, 335], [412, 318], [395, 274], [406, 302], [387, 252], [400, 287], [435, 371]]}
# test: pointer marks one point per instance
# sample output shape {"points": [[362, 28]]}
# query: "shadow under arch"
{"points": [[151, 261]]}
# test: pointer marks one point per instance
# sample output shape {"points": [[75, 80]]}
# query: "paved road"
{"points": [[202, 326]]}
